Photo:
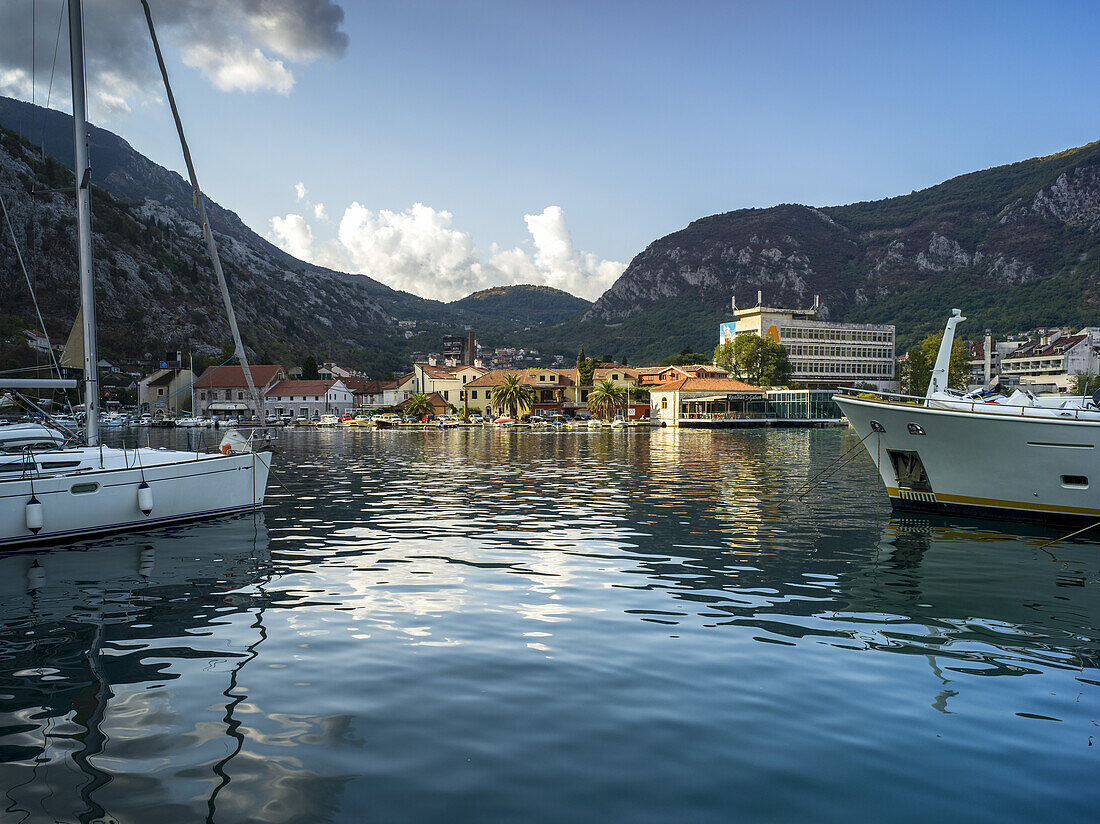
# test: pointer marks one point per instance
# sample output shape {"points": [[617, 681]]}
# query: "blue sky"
{"points": [[632, 118]]}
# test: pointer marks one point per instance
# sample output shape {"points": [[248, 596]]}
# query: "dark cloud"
{"points": [[250, 45]]}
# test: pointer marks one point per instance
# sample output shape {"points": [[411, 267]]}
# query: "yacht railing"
{"points": [[960, 403]]}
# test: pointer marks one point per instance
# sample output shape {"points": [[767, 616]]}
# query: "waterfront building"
{"points": [[1050, 363], [222, 391], [447, 380], [309, 399], [689, 399], [166, 391], [823, 354]]}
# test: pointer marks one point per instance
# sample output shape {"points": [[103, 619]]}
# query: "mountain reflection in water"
{"points": [[472, 626]]}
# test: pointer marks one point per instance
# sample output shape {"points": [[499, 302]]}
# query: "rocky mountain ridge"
{"points": [[1016, 246]]}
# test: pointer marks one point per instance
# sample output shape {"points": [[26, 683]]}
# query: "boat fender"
{"points": [[35, 518], [145, 498]]}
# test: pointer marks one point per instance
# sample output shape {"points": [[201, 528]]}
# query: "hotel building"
{"points": [[824, 355]]}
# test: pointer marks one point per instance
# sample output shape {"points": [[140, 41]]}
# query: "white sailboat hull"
{"points": [[1021, 466], [182, 486]]}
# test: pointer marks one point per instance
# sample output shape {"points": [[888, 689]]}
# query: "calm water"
{"points": [[523, 627]]}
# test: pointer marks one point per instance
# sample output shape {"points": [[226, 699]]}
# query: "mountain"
{"points": [[523, 304], [1015, 247], [156, 289]]}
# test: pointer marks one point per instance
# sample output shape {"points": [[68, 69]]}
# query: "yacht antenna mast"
{"points": [[84, 221]]}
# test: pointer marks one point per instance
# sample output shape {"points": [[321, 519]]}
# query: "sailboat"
{"points": [[1019, 457], [50, 491]]}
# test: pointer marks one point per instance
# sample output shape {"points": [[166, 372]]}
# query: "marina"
{"points": [[492, 624]]}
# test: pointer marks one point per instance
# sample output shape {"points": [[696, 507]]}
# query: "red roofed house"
{"points": [[309, 399], [222, 391], [701, 399]]}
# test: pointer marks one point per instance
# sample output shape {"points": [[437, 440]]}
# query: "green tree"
{"points": [[1081, 384], [513, 395], [914, 372], [760, 361], [309, 368], [957, 369], [606, 397], [418, 404], [723, 356], [585, 368]]}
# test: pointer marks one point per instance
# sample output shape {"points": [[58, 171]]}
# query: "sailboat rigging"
{"points": [[57, 493]]}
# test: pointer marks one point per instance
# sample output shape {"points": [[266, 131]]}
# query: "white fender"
{"points": [[35, 516], [145, 498]]}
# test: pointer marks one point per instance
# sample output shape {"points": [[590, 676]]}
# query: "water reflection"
{"points": [[473, 626], [121, 663]]}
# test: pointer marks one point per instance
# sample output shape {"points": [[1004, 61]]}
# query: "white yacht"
{"points": [[51, 490], [1017, 458]]}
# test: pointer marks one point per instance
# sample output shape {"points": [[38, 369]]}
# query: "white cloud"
{"points": [[319, 211], [235, 68], [293, 235], [419, 251], [299, 190]]}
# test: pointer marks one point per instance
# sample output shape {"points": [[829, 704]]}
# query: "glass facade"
{"points": [[803, 404]]}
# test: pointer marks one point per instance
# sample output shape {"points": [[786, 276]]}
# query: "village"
{"points": [[459, 382]]}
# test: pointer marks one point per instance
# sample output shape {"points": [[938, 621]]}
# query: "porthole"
{"points": [[877, 427], [84, 489], [1075, 481], [915, 429]]}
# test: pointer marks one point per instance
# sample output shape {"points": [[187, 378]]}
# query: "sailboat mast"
{"points": [[84, 221]]}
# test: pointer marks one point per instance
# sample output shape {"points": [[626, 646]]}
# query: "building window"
{"points": [[160, 390], [202, 396], [473, 394], [240, 396]]}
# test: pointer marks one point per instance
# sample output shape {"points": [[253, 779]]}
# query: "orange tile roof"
{"points": [[221, 377], [283, 388], [528, 376], [706, 385]]}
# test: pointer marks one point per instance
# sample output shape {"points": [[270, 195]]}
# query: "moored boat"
{"points": [[50, 492], [1017, 458]]}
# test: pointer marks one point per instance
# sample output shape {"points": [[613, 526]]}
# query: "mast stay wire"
{"points": [[26, 275]]}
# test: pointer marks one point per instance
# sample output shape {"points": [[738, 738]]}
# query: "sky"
{"points": [[443, 147]]}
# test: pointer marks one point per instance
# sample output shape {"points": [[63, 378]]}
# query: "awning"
{"points": [[226, 406], [737, 396]]}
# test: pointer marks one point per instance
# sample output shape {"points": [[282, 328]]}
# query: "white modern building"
{"points": [[824, 354]]}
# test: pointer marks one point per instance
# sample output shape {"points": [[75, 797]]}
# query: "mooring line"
{"points": [[813, 482]]}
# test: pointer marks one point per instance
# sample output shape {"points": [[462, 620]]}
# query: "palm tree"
{"points": [[418, 405], [513, 394], [606, 397]]}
